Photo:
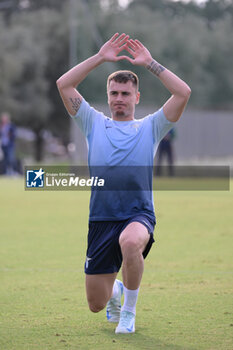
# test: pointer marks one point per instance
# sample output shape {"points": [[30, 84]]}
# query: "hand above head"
{"points": [[141, 55], [110, 50]]}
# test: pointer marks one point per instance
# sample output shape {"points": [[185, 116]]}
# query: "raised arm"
{"points": [[179, 90], [69, 81]]}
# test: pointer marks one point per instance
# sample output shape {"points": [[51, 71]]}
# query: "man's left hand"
{"points": [[141, 55]]}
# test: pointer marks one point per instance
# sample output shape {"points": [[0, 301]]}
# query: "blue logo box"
{"points": [[35, 178]]}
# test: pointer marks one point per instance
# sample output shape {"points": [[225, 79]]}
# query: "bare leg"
{"points": [[133, 241], [99, 290]]}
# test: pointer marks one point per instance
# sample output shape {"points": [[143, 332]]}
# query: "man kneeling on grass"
{"points": [[121, 223]]}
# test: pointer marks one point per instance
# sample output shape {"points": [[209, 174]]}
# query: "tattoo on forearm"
{"points": [[76, 102], [155, 68]]}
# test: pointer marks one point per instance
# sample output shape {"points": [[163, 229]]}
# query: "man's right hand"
{"points": [[110, 50]]}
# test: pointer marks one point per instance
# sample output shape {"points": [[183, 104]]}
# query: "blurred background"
{"points": [[41, 39]]}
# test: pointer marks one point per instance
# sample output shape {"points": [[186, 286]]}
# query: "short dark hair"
{"points": [[123, 76]]}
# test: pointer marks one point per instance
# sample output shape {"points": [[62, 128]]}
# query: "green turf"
{"points": [[185, 299]]}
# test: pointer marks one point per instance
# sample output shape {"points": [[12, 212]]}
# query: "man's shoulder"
{"points": [[154, 114], [86, 106]]}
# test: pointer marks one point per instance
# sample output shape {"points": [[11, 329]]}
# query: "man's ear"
{"points": [[138, 98]]}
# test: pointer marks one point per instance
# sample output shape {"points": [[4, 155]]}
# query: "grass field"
{"points": [[185, 301]]}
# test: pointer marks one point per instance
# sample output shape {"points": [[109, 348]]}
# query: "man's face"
{"points": [[122, 98], [5, 118]]}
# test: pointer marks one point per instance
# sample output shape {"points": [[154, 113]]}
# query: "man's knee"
{"points": [[99, 290], [95, 306], [129, 245], [134, 239]]}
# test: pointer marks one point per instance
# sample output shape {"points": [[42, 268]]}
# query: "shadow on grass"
{"points": [[139, 340]]}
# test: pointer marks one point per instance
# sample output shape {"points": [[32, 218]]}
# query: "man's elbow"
{"points": [[63, 84], [181, 102], [59, 84], [186, 93]]}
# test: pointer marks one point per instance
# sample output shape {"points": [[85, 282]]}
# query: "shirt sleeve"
{"points": [[85, 117], [161, 125]]}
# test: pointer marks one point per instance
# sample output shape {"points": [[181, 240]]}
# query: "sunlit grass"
{"points": [[185, 299]]}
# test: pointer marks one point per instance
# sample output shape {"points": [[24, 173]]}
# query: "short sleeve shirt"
{"points": [[123, 151]]}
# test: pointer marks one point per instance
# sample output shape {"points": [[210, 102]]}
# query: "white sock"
{"points": [[115, 289], [130, 300]]}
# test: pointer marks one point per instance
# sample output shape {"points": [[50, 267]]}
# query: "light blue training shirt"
{"points": [[122, 152]]}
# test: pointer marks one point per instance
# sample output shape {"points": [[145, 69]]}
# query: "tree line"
{"points": [[193, 41]]}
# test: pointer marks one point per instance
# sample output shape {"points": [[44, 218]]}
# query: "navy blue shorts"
{"points": [[103, 251]]}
